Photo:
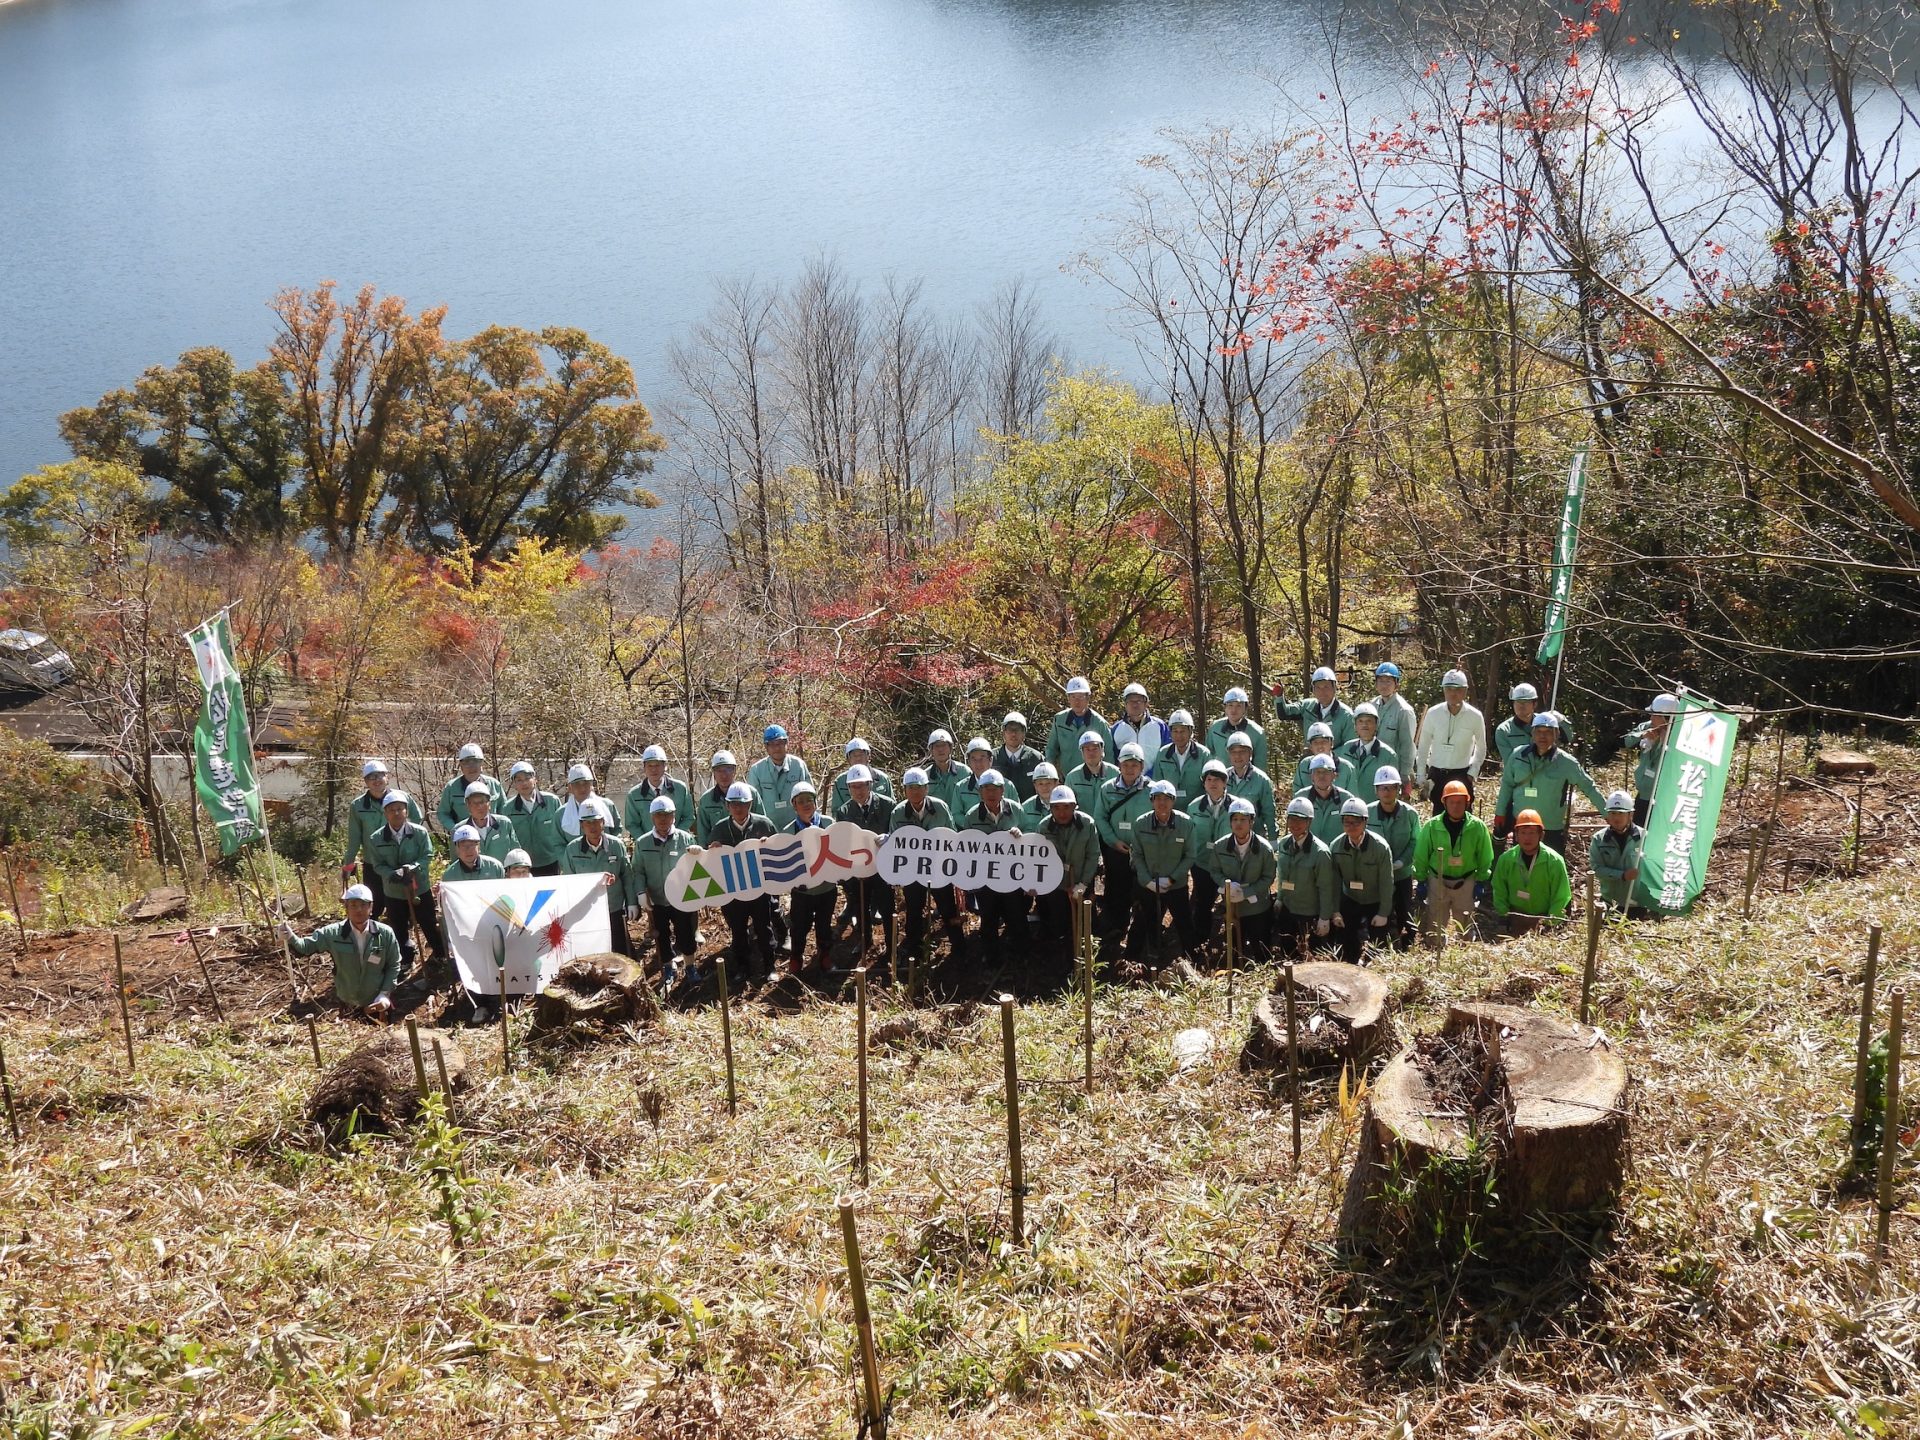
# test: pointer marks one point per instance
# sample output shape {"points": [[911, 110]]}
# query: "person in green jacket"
{"points": [[1181, 759], [945, 775], [364, 816], [1016, 759], [1086, 778], [657, 848], [1366, 753], [1247, 781], [1320, 742], [1237, 721], [1247, 867], [401, 854], [365, 955], [920, 809], [1045, 780], [468, 863], [1515, 733], [1398, 723], [1208, 815], [711, 808], [1072, 724], [1325, 796], [497, 836], [872, 812], [597, 852], [1117, 804], [1538, 779], [773, 777], [979, 761], [1324, 706], [1399, 826], [859, 756], [1077, 839], [1650, 739], [654, 782], [1530, 885], [1003, 913], [535, 816], [1304, 868], [519, 865], [452, 809], [1163, 856], [1452, 865], [1614, 853], [1362, 882]]}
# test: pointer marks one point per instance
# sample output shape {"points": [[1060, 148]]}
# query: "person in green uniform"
{"points": [[1323, 706], [1045, 779], [1362, 884], [859, 756], [1320, 742], [1398, 723], [1117, 804], [1396, 823], [918, 809], [654, 782], [749, 921], [1086, 778], [774, 775], [1181, 759], [1208, 815], [1325, 797], [1237, 721], [365, 955], [1530, 885], [1649, 738], [535, 816], [497, 836], [1515, 733], [1016, 759], [1366, 753], [1452, 866], [979, 760], [468, 863], [1614, 853], [1247, 781], [595, 851], [1003, 913], [872, 812], [1163, 855], [1070, 725], [656, 850], [1538, 779], [364, 816], [519, 865], [945, 775], [1077, 839], [452, 809], [401, 854], [711, 808], [809, 907], [1304, 871], [1247, 866]]}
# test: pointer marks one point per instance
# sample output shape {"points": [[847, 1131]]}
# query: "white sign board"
{"points": [[970, 859], [533, 926], [773, 866]]}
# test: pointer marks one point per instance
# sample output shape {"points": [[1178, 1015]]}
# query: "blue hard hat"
{"points": [[774, 732], [1387, 667]]}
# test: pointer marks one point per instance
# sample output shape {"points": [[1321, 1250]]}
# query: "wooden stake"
{"points": [[13, 897], [286, 949], [1868, 984], [446, 1085], [6, 1088], [120, 989], [1753, 878], [306, 900], [1085, 908], [313, 1039], [866, 938], [1293, 1063], [1890, 1132], [860, 1058], [1773, 817], [873, 1416], [506, 1044], [1593, 951], [726, 1033], [1859, 813], [1016, 1169], [206, 975], [419, 1061], [1233, 945]]}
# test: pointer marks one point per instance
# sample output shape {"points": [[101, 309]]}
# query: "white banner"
{"points": [[533, 926], [773, 866], [970, 859]]}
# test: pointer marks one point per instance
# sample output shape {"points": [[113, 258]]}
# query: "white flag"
{"points": [[531, 926]]}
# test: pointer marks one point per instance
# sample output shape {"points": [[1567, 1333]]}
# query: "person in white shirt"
{"points": [[1138, 724], [580, 791], [1452, 742]]}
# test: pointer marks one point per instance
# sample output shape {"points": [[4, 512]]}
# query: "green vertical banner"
{"points": [[222, 746], [1554, 634], [1685, 812]]}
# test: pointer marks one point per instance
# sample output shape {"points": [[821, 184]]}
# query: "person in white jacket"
{"points": [[1452, 742]]}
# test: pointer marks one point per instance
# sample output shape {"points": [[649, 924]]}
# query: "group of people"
{"points": [[1169, 826]]}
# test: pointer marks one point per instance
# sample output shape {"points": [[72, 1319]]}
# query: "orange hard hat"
{"points": [[1456, 787], [1529, 817]]}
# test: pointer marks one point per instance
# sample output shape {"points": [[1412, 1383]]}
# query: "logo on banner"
{"points": [[772, 865], [1703, 735], [521, 931]]}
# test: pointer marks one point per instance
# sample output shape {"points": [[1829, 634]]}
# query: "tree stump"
{"points": [[375, 1087], [1505, 1103], [1340, 1016], [1843, 762], [168, 902], [594, 990]]}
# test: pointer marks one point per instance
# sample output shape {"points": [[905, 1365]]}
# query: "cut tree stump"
{"points": [[607, 990], [1844, 762], [1542, 1101], [377, 1083], [169, 902], [1340, 1016]]}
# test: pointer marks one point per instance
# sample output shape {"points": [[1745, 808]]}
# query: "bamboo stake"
{"points": [[1016, 1169], [313, 1039], [1293, 1063], [1890, 1134], [1085, 908], [1868, 982], [446, 1086], [306, 900], [13, 897], [286, 949], [1773, 818], [1233, 945], [419, 1062], [207, 975], [506, 1044], [860, 1060], [1859, 813], [6, 1088], [120, 988], [873, 1417], [1593, 952], [726, 1033]]}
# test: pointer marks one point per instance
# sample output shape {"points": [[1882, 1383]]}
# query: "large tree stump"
{"points": [[1340, 1016], [1843, 762], [1538, 1102], [168, 902], [594, 990], [375, 1087]]}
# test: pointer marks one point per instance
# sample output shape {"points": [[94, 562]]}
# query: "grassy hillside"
{"points": [[161, 1275]]}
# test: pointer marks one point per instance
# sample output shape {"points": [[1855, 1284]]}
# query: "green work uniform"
{"points": [[944, 785], [839, 794], [1363, 873], [485, 867], [876, 815], [357, 980], [639, 819], [1163, 851], [497, 837], [1397, 724], [388, 852], [366, 815], [1011, 817], [1326, 824], [1254, 872], [774, 785], [1342, 773], [1078, 842], [452, 809], [1647, 766], [1337, 717], [1086, 785], [654, 856], [934, 815], [1256, 787], [1222, 729], [1209, 821], [728, 832], [1533, 781], [1117, 806], [711, 808], [1066, 732], [1017, 767], [536, 825], [1612, 857], [1367, 760], [1510, 737], [1539, 888], [610, 859], [1401, 831], [1304, 872], [1036, 807], [1183, 771], [1438, 856]]}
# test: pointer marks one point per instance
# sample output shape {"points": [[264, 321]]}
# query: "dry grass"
{"points": [[617, 1279]]}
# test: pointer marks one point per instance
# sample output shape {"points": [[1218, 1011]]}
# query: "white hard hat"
{"points": [[1093, 737], [662, 803], [652, 753], [1215, 766], [479, 787], [940, 737], [1131, 751], [395, 797], [1325, 672], [1046, 770], [1366, 707], [517, 857], [1299, 807], [1162, 787], [859, 775], [1385, 775], [1236, 693], [915, 776], [519, 767], [1664, 705], [596, 809], [1180, 717], [856, 745], [979, 742], [1454, 680], [471, 752], [739, 793], [1014, 717], [579, 772], [1351, 808], [373, 767], [1063, 795], [1545, 720], [1078, 686], [723, 757], [1239, 740], [1321, 762], [805, 787], [1319, 730], [990, 777], [1523, 691], [357, 892], [465, 832], [1619, 800], [1136, 688], [1240, 806]]}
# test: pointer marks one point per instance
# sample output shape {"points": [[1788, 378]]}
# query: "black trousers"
{"points": [[1206, 889], [552, 868], [1256, 937], [749, 923], [617, 937], [1287, 930], [672, 930], [425, 917], [1148, 910], [810, 914], [1055, 912], [1642, 807], [1001, 921], [913, 898], [1437, 781], [1556, 841], [880, 903], [1403, 923], [1357, 928], [1116, 894]]}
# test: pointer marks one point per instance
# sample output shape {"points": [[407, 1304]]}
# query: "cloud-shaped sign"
{"points": [[970, 859], [773, 866]]}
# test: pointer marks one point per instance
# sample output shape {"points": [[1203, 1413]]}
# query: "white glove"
{"points": [[1339, 920], [1162, 885], [1079, 892], [1237, 894], [1320, 927], [1379, 922], [633, 913]]}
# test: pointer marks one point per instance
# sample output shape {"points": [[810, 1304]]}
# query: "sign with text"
{"points": [[1685, 811], [970, 859], [529, 926], [791, 860]]}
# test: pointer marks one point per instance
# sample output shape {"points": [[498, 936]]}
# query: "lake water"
{"points": [[166, 165]]}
